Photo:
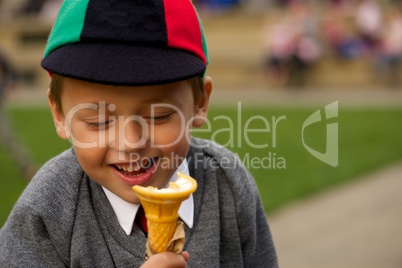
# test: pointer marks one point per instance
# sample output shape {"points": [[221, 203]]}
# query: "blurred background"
{"points": [[272, 59]]}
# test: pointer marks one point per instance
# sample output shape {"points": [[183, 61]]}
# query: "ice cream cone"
{"points": [[161, 208]]}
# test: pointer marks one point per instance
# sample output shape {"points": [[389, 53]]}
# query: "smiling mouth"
{"points": [[136, 172], [136, 169]]}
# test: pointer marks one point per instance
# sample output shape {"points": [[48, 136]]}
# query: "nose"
{"points": [[132, 133]]}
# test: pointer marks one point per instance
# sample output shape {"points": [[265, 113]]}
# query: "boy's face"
{"points": [[125, 136]]}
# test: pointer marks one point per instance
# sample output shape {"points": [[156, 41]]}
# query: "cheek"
{"points": [[166, 137], [171, 139], [171, 134], [90, 159], [81, 137]]}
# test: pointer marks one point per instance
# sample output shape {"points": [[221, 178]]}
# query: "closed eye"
{"points": [[159, 117], [99, 125]]}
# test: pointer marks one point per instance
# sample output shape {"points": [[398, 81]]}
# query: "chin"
{"points": [[132, 200]]}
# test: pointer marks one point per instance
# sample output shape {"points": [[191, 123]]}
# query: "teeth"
{"points": [[131, 168], [135, 166]]}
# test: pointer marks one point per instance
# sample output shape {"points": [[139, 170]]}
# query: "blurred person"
{"points": [[280, 48], [369, 23], [388, 60], [334, 29], [293, 46], [307, 46], [306, 55], [342, 41]]}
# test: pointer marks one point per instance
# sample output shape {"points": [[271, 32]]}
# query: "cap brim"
{"points": [[123, 64]]}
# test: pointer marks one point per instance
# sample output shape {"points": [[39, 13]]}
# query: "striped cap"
{"points": [[127, 42]]}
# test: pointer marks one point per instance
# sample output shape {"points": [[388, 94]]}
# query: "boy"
{"points": [[127, 85]]}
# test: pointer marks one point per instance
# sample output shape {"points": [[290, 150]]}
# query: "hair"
{"points": [[56, 87]]}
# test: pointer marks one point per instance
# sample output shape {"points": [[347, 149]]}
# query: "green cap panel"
{"points": [[204, 43], [68, 25]]}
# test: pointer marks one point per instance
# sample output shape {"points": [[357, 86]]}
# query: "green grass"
{"points": [[11, 184], [368, 139], [34, 128]]}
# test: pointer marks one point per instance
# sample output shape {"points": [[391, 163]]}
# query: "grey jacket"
{"points": [[63, 219]]}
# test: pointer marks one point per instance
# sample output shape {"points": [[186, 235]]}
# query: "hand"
{"points": [[167, 260]]}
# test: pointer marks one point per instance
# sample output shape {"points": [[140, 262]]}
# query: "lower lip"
{"points": [[138, 179]]}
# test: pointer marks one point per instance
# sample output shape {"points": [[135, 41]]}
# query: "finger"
{"points": [[167, 260], [185, 255]]}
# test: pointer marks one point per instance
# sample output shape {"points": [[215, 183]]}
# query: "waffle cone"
{"points": [[161, 210]]}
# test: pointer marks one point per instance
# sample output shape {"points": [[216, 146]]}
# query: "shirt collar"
{"points": [[126, 211]]}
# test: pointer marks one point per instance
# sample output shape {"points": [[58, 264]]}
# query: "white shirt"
{"points": [[126, 211]]}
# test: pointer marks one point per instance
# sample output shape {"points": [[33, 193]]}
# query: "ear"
{"points": [[201, 110], [58, 119]]}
